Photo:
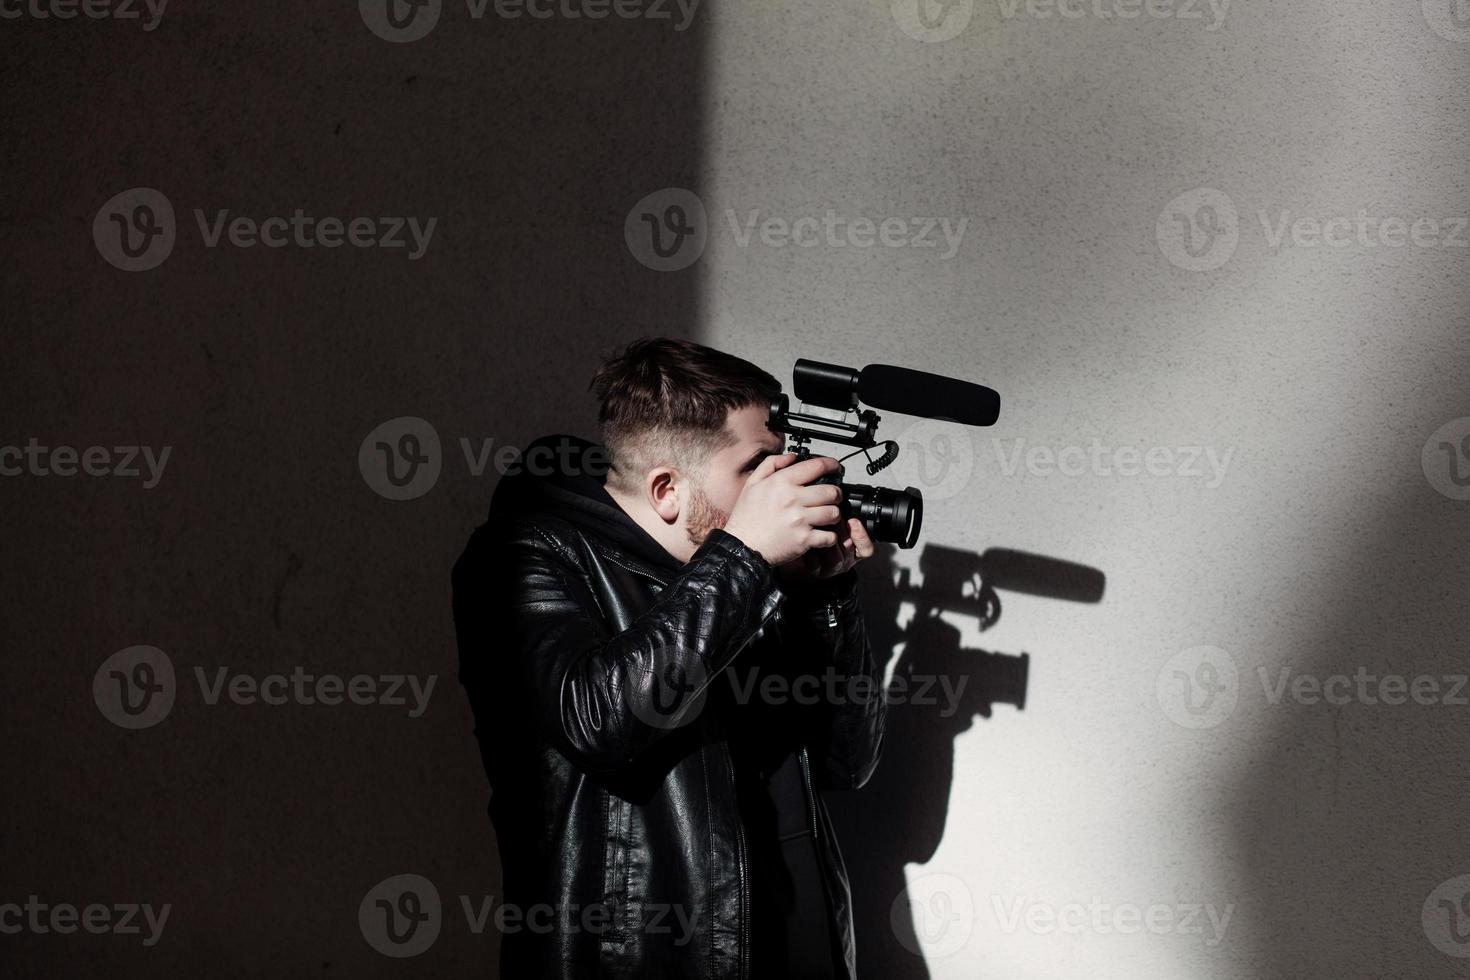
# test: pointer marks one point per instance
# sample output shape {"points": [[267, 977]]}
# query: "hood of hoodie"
{"points": [[562, 476]]}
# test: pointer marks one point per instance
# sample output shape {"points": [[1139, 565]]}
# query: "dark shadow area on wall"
{"points": [[899, 817], [1345, 823], [269, 547]]}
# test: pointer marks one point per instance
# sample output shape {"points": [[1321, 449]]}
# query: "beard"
{"points": [[704, 517]]}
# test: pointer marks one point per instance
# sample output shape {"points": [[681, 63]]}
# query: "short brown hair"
{"points": [[664, 401]]}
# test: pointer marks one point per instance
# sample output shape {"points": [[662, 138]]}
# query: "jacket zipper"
{"points": [[806, 770], [744, 965], [811, 793]]}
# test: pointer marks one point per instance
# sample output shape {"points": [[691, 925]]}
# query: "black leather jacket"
{"points": [[596, 667]]}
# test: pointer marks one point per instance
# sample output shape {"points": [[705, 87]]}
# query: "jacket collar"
{"points": [[563, 475]]}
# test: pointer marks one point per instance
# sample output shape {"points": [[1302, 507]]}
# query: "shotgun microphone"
{"points": [[896, 389], [929, 396]]}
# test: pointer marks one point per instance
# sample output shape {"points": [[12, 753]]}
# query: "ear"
{"points": [[662, 490]]}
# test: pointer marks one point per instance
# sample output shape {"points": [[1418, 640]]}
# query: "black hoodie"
{"points": [[564, 475]]}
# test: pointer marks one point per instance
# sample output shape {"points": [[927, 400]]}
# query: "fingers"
{"points": [[817, 494], [860, 539], [823, 515], [809, 469], [821, 539], [838, 550], [770, 465]]}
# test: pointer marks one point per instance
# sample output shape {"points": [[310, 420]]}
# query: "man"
{"points": [[666, 660]]}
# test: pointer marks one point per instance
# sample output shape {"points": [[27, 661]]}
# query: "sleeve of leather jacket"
{"points": [[605, 698], [848, 738]]}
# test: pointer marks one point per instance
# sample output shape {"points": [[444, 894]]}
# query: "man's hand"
{"points": [[853, 545], [779, 516]]}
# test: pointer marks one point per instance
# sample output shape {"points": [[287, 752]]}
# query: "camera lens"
{"points": [[889, 515]]}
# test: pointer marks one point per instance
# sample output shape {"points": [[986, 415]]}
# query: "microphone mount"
{"points": [[830, 426]]}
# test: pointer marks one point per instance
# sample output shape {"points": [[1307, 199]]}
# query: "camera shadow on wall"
{"points": [[937, 689]]}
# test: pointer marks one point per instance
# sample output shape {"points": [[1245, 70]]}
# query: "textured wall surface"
{"points": [[1213, 257], [264, 548], [1073, 147]]}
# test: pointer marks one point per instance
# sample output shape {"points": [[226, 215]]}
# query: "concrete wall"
{"points": [[1113, 277], [1314, 375], [268, 546]]}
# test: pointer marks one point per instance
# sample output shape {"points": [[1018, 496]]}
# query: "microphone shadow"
{"points": [[937, 690]]}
